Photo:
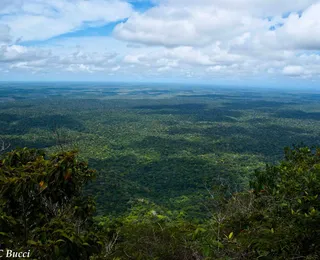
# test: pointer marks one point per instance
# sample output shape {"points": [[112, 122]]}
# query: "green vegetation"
{"points": [[279, 218], [167, 146], [43, 211], [42, 208], [180, 173]]}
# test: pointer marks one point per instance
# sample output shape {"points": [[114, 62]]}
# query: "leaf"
{"points": [[206, 251], [31, 242], [230, 235], [161, 217], [313, 212], [199, 230], [56, 250], [60, 241]]}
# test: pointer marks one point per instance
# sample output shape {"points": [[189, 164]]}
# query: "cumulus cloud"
{"points": [[188, 39], [191, 25], [293, 71], [177, 22], [56, 59], [302, 31], [17, 53], [235, 37]]}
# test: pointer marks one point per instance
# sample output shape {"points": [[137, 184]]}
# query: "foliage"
{"points": [[149, 232], [163, 143], [280, 217], [42, 207], [186, 155]]}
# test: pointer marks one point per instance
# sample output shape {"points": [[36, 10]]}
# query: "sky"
{"points": [[238, 42]]}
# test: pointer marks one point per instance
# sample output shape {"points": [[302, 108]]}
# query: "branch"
{"points": [[4, 146]]}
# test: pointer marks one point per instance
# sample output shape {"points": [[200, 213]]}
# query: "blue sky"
{"points": [[236, 42]]}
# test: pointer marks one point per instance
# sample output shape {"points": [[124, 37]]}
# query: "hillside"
{"points": [[44, 212]]}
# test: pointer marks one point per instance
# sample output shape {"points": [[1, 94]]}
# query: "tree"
{"points": [[4, 146], [42, 207], [280, 217]]}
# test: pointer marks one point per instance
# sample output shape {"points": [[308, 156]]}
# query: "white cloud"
{"points": [[216, 68], [230, 39], [293, 71], [116, 68], [211, 62], [302, 32], [17, 53], [43, 19], [201, 22], [256, 7], [193, 26]]}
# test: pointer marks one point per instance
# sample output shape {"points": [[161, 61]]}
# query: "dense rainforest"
{"points": [[140, 172], [44, 211]]}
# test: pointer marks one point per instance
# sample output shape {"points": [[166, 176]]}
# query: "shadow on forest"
{"points": [[174, 173], [223, 96], [210, 96], [306, 97], [14, 91], [153, 92], [14, 124], [166, 146], [216, 131], [265, 140], [197, 112], [256, 104], [298, 114], [218, 115], [10, 104], [125, 178], [178, 107], [8, 118]]}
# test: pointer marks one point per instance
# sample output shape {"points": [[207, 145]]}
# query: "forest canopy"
{"points": [[155, 172], [44, 209]]}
